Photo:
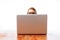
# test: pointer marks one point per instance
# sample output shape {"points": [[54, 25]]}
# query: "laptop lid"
{"points": [[31, 24]]}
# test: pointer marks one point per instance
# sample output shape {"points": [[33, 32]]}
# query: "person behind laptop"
{"points": [[31, 10]]}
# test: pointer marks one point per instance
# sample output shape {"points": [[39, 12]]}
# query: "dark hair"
{"points": [[32, 9]]}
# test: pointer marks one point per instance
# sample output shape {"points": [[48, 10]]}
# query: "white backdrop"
{"points": [[9, 9]]}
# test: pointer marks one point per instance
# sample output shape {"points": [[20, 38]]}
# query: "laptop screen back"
{"points": [[31, 24]]}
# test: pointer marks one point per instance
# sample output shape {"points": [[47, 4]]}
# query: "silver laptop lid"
{"points": [[31, 24]]}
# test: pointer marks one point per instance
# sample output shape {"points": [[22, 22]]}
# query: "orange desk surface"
{"points": [[31, 37]]}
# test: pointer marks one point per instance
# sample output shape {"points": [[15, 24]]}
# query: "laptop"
{"points": [[31, 24]]}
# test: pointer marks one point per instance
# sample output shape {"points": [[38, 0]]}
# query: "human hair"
{"points": [[32, 9]]}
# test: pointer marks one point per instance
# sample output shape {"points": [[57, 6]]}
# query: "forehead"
{"points": [[31, 10]]}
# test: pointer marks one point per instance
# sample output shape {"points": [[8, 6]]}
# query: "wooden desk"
{"points": [[31, 37]]}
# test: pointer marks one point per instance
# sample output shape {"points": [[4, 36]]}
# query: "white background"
{"points": [[9, 9]]}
